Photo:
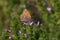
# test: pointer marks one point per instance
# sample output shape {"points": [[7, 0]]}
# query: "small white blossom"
{"points": [[10, 37], [38, 23], [19, 32], [24, 23]]}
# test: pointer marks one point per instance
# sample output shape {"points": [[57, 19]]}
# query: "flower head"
{"points": [[26, 35], [49, 9], [10, 37], [19, 31]]}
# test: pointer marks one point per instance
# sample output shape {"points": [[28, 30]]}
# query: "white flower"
{"points": [[38, 23], [10, 37], [49, 9], [19, 32]]}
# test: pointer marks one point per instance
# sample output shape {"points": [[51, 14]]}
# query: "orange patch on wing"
{"points": [[26, 13]]}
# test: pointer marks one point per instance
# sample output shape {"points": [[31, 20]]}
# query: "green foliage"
{"points": [[10, 11]]}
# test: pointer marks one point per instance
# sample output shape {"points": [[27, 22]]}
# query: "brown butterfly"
{"points": [[25, 17]]}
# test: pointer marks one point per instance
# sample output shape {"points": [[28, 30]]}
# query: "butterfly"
{"points": [[25, 17]]}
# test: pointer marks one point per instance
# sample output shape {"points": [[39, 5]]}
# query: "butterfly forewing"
{"points": [[25, 17]]}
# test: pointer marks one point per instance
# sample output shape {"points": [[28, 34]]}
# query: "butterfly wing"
{"points": [[25, 17]]}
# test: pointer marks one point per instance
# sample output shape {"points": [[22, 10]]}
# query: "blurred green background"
{"points": [[10, 11]]}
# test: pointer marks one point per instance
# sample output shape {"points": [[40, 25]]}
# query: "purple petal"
{"points": [[26, 35], [49, 9], [31, 23]]}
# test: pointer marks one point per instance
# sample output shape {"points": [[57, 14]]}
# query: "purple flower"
{"points": [[49, 9], [28, 23], [31, 23], [26, 35]]}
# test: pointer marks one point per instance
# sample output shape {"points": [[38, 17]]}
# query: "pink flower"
{"points": [[31, 23], [49, 9]]}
